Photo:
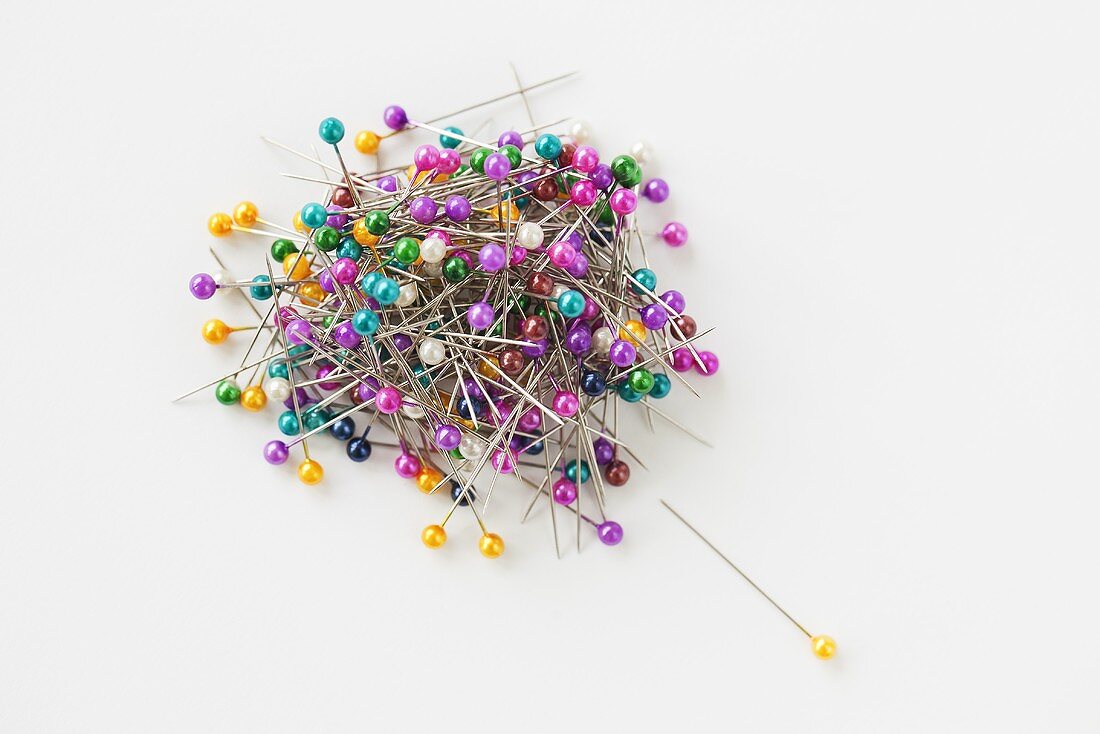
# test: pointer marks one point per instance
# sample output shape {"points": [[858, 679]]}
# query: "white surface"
{"points": [[893, 220]]}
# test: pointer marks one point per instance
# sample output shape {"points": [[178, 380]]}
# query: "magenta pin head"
{"points": [[531, 419], [583, 193], [345, 271], [566, 403], [624, 201], [591, 308], [562, 253], [406, 465], [674, 234], [504, 412], [426, 157], [503, 461], [449, 161], [682, 359], [585, 158], [710, 363], [322, 373], [388, 400], [564, 491], [285, 315], [440, 234]]}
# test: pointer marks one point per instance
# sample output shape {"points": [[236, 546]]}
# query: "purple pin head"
{"points": [[497, 166], [610, 532], [447, 437], [346, 336], [602, 176], [423, 209], [674, 300], [603, 450], [654, 316], [458, 208], [395, 118], [510, 137], [480, 315], [656, 190], [622, 353], [203, 286], [492, 257], [276, 452]]}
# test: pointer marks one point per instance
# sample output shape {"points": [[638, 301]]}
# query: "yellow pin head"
{"points": [[824, 646], [491, 545], [488, 368], [298, 224], [361, 235], [215, 331], [296, 267], [434, 536], [367, 142], [633, 332], [253, 398], [428, 478], [311, 293], [246, 214], [219, 224], [310, 472], [509, 213]]}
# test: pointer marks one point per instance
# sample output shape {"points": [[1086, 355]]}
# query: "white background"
{"points": [[893, 216]]}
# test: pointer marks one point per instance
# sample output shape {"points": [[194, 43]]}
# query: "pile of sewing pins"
{"points": [[490, 305]]}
